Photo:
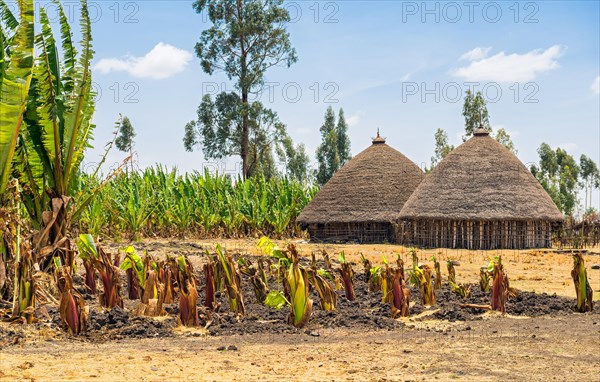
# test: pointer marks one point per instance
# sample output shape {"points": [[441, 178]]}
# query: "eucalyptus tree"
{"points": [[247, 38], [475, 113]]}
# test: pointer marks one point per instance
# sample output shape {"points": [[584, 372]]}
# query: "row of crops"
{"points": [[164, 203]]}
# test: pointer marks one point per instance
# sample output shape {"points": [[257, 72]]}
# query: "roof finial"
{"points": [[378, 138], [481, 131]]}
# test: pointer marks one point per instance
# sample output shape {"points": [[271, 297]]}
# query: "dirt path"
{"points": [[495, 349]]}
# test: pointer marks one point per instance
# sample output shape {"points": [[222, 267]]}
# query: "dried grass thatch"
{"points": [[481, 181], [372, 187]]}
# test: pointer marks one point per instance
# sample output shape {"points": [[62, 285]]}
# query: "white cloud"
{"points": [[353, 120], [508, 68], [163, 61], [476, 54], [596, 85]]}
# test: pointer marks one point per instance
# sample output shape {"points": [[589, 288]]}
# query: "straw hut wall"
{"points": [[362, 201], [479, 197]]}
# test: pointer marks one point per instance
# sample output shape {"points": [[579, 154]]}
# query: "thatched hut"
{"points": [[479, 197], [363, 199]]}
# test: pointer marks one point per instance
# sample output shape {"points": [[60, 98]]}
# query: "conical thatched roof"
{"points": [[372, 187], [481, 180]]}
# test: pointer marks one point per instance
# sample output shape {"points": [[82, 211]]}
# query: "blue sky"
{"points": [[396, 66]]}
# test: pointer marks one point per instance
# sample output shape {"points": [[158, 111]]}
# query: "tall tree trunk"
{"points": [[245, 88], [245, 136]]}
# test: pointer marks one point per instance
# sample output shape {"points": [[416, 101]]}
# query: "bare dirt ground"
{"points": [[484, 347]]}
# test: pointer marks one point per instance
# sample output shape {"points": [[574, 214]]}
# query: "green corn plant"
{"points": [[133, 209], [438, 274], [249, 270], [88, 252], [327, 296], [188, 295], [484, 279], [74, 312], [499, 285], [400, 295], [233, 282], [582, 287], [451, 272], [111, 281], [347, 274]]}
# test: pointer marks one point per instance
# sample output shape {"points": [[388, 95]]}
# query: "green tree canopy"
{"points": [[590, 178], [217, 131], [475, 113], [247, 37], [558, 173], [442, 147], [124, 141], [503, 138], [334, 150]]}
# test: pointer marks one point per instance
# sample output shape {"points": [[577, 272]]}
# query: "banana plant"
{"points": [[438, 274], [300, 303], [58, 130], [484, 279], [111, 280], [233, 282], [451, 272], [400, 296], [135, 270], [88, 253], [422, 278], [327, 296], [188, 295], [347, 275], [499, 285], [211, 288], [254, 276], [16, 71], [74, 312], [366, 267], [583, 289]]}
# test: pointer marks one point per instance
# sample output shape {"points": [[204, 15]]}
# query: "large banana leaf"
{"points": [[14, 87], [59, 112]]}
